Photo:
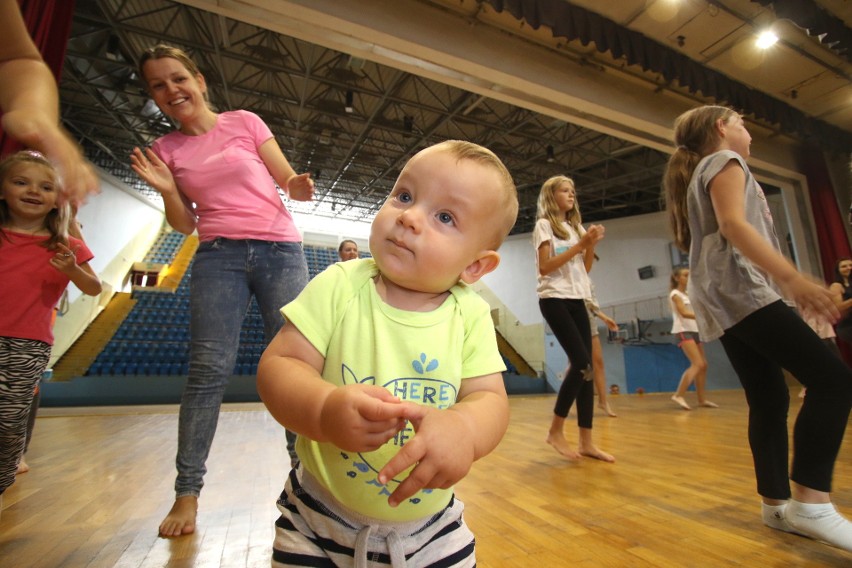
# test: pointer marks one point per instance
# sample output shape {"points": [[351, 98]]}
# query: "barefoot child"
{"points": [[685, 329], [565, 252], [388, 370], [38, 259], [719, 213]]}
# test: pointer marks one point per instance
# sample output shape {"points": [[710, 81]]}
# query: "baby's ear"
{"points": [[485, 262]]}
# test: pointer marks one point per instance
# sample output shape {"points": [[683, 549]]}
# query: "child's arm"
{"points": [[681, 308], [81, 275], [449, 441], [353, 417], [726, 193], [29, 99], [610, 323], [548, 263]]}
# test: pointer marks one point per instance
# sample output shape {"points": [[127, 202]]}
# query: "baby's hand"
{"points": [[442, 453], [361, 418], [65, 259]]}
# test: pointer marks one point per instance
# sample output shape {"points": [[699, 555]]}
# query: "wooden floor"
{"points": [[681, 493]]}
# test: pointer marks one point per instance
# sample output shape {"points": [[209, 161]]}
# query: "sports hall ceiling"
{"points": [[353, 122]]}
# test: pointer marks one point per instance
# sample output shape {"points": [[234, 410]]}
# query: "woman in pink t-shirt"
{"points": [[217, 174]]}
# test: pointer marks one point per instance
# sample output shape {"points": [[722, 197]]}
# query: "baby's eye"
{"points": [[404, 197], [445, 218]]}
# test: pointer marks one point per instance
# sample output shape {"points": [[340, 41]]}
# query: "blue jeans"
{"points": [[225, 275]]}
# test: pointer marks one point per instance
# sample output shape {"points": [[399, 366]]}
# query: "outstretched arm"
{"points": [[353, 417], [726, 194], [30, 103], [449, 441]]}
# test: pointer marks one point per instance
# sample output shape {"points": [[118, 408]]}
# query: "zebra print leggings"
{"points": [[22, 362]]}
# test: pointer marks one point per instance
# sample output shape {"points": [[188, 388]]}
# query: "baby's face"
{"points": [[437, 220]]}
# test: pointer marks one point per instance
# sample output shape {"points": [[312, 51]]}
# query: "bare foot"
{"points": [[22, 467], [561, 445], [707, 404], [607, 410], [181, 519], [681, 402], [596, 453]]}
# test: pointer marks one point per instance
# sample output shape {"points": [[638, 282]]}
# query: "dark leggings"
{"points": [[759, 346], [569, 321]]}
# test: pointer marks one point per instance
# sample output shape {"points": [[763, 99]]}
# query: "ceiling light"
{"points": [[350, 101], [551, 157], [766, 39]]}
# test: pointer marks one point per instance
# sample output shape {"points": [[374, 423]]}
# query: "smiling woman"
{"points": [[218, 174]]}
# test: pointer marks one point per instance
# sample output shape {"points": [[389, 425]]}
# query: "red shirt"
{"points": [[29, 286]]}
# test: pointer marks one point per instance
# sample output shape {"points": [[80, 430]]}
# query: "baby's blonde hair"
{"points": [[506, 203]]}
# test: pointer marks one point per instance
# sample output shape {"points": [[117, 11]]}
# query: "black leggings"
{"points": [[759, 346], [569, 321]]}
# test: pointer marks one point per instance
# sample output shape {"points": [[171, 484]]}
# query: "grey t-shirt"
{"points": [[724, 285]]}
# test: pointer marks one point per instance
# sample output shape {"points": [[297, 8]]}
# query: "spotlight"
{"points": [[766, 39], [408, 123], [350, 101], [681, 41], [551, 157]]}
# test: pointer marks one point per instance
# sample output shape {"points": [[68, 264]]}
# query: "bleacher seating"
{"points": [[154, 337]]}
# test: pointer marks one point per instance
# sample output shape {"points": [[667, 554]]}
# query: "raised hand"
{"points": [[153, 171]]}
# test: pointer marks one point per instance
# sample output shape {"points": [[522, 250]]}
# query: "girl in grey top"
{"points": [[719, 213]]}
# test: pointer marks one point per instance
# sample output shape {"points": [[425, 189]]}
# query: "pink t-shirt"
{"points": [[222, 173], [31, 286]]}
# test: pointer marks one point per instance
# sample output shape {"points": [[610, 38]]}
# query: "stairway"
{"points": [[513, 356], [179, 265], [85, 350]]}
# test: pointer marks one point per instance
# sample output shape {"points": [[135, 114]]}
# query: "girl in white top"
{"points": [[564, 254], [685, 328]]}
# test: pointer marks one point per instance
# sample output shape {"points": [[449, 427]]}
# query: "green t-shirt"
{"points": [[420, 357]]}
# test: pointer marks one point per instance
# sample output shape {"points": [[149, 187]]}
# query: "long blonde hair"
{"points": [[548, 209], [695, 136], [57, 220]]}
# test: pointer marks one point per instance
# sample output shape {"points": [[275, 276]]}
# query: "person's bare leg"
{"points": [[181, 518], [23, 467], [556, 438], [589, 449], [600, 375], [701, 376], [687, 377]]}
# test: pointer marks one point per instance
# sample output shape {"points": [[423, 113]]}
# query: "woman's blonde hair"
{"points": [[695, 136], [548, 209], [56, 221], [161, 51]]}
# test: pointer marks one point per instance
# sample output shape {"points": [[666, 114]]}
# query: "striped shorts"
{"points": [[315, 530], [22, 361]]}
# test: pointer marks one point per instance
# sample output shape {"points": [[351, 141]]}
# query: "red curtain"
{"points": [[828, 222], [49, 24]]}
